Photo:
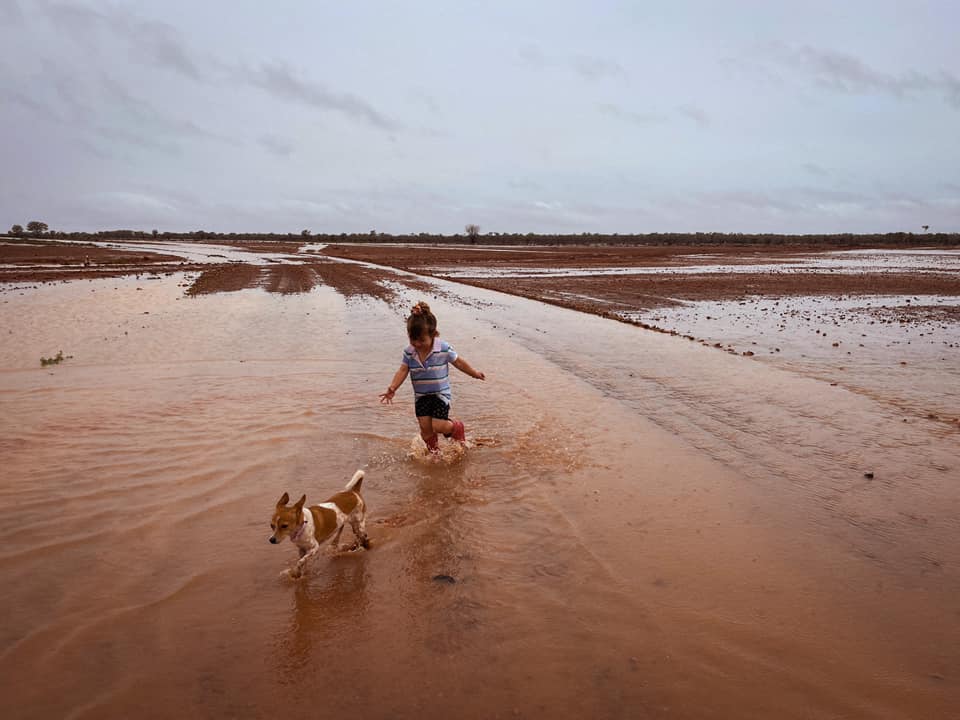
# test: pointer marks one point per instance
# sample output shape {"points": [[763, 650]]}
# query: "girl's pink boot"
{"points": [[432, 444], [459, 432]]}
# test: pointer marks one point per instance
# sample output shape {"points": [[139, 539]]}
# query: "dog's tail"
{"points": [[355, 482]]}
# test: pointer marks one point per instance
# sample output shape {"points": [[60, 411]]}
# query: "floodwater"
{"points": [[919, 260], [901, 351], [649, 527]]}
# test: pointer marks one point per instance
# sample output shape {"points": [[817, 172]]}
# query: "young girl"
{"points": [[427, 360]]}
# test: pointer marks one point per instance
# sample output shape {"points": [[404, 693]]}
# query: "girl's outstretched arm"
{"points": [[397, 381], [463, 366]]}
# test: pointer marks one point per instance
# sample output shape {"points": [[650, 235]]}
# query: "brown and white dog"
{"points": [[309, 528]]}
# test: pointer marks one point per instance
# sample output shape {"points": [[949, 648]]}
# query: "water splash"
{"points": [[450, 451]]}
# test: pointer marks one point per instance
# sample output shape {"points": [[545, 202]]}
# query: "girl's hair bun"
{"points": [[421, 321]]}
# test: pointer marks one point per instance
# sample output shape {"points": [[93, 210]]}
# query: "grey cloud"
{"points": [[815, 169], [848, 74], [523, 184], [649, 119], [136, 139], [69, 89], [37, 107], [161, 42], [52, 93], [748, 199], [278, 80], [820, 195], [161, 45], [641, 119], [532, 56], [75, 19], [951, 87], [698, 115], [594, 68], [148, 40], [106, 110], [276, 145], [10, 12], [589, 67], [427, 100], [153, 120]]}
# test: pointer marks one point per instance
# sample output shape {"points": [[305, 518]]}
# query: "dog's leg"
{"points": [[359, 527], [297, 571], [336, 539]]}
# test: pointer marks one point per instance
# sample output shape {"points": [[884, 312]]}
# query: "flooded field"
{"points": [[645, 525]]}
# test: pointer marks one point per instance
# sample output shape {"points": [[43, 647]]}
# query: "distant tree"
{"points": [[16, 230], [473, 232], [154, 233], [305, 233], [925, 227], [37, 228]]}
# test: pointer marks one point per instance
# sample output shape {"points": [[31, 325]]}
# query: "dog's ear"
{"points": [[284, 499], [300, 502]]}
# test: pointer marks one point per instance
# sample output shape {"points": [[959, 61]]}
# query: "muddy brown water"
{"points": [[650, 528]]}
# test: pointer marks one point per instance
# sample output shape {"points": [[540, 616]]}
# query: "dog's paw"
{"points": [[292, 573]]}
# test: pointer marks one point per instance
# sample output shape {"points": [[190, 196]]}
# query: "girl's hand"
{"points": [[387, 397], [480, 376]]}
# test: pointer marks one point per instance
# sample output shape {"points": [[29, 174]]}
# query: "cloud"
{"points": [[815, 169], [848, 74], [146, 141], [134, 201], [161, 45], [532, 56], [41, 109], [589, 67], [155, 42], [697, 114], [594, 68], [746, 199], [649, 119], [10, 12], [276, 145], [641, 119], [152, 120], [279, 80]]}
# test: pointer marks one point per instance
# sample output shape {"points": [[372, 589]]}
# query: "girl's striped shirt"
{"points": [[432, 376]]}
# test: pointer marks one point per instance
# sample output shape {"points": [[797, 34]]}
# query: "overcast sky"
{"points": [[549, 116]]}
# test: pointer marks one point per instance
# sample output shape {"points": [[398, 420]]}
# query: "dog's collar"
{"points": [[299, 530]]}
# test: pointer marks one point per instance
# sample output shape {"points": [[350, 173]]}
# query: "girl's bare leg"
{"points": [[443, 427], [426, 432]]}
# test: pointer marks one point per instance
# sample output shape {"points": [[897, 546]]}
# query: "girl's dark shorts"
{"points": [[433, 406]]}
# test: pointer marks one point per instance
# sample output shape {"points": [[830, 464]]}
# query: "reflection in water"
{"points": [[329, 604]]}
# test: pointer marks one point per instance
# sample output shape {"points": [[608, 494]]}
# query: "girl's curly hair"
{"points": [[421, 322]]}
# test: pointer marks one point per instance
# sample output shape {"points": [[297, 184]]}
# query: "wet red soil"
{"points": [[606, 295], [49, 261], [32, 261]]}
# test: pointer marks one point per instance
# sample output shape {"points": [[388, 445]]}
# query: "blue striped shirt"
{"points": [[432, 376]]}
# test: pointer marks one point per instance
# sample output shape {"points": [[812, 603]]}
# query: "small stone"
{"points": [[868, 475]]}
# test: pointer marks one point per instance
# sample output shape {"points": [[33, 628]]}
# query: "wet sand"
{"points": [[651, 528]]}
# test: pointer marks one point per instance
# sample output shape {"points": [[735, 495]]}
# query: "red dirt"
{"points": [[604, 295], [31, 261]]}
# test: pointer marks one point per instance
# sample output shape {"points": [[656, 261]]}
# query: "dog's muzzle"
{"points": [[273, 539]]}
